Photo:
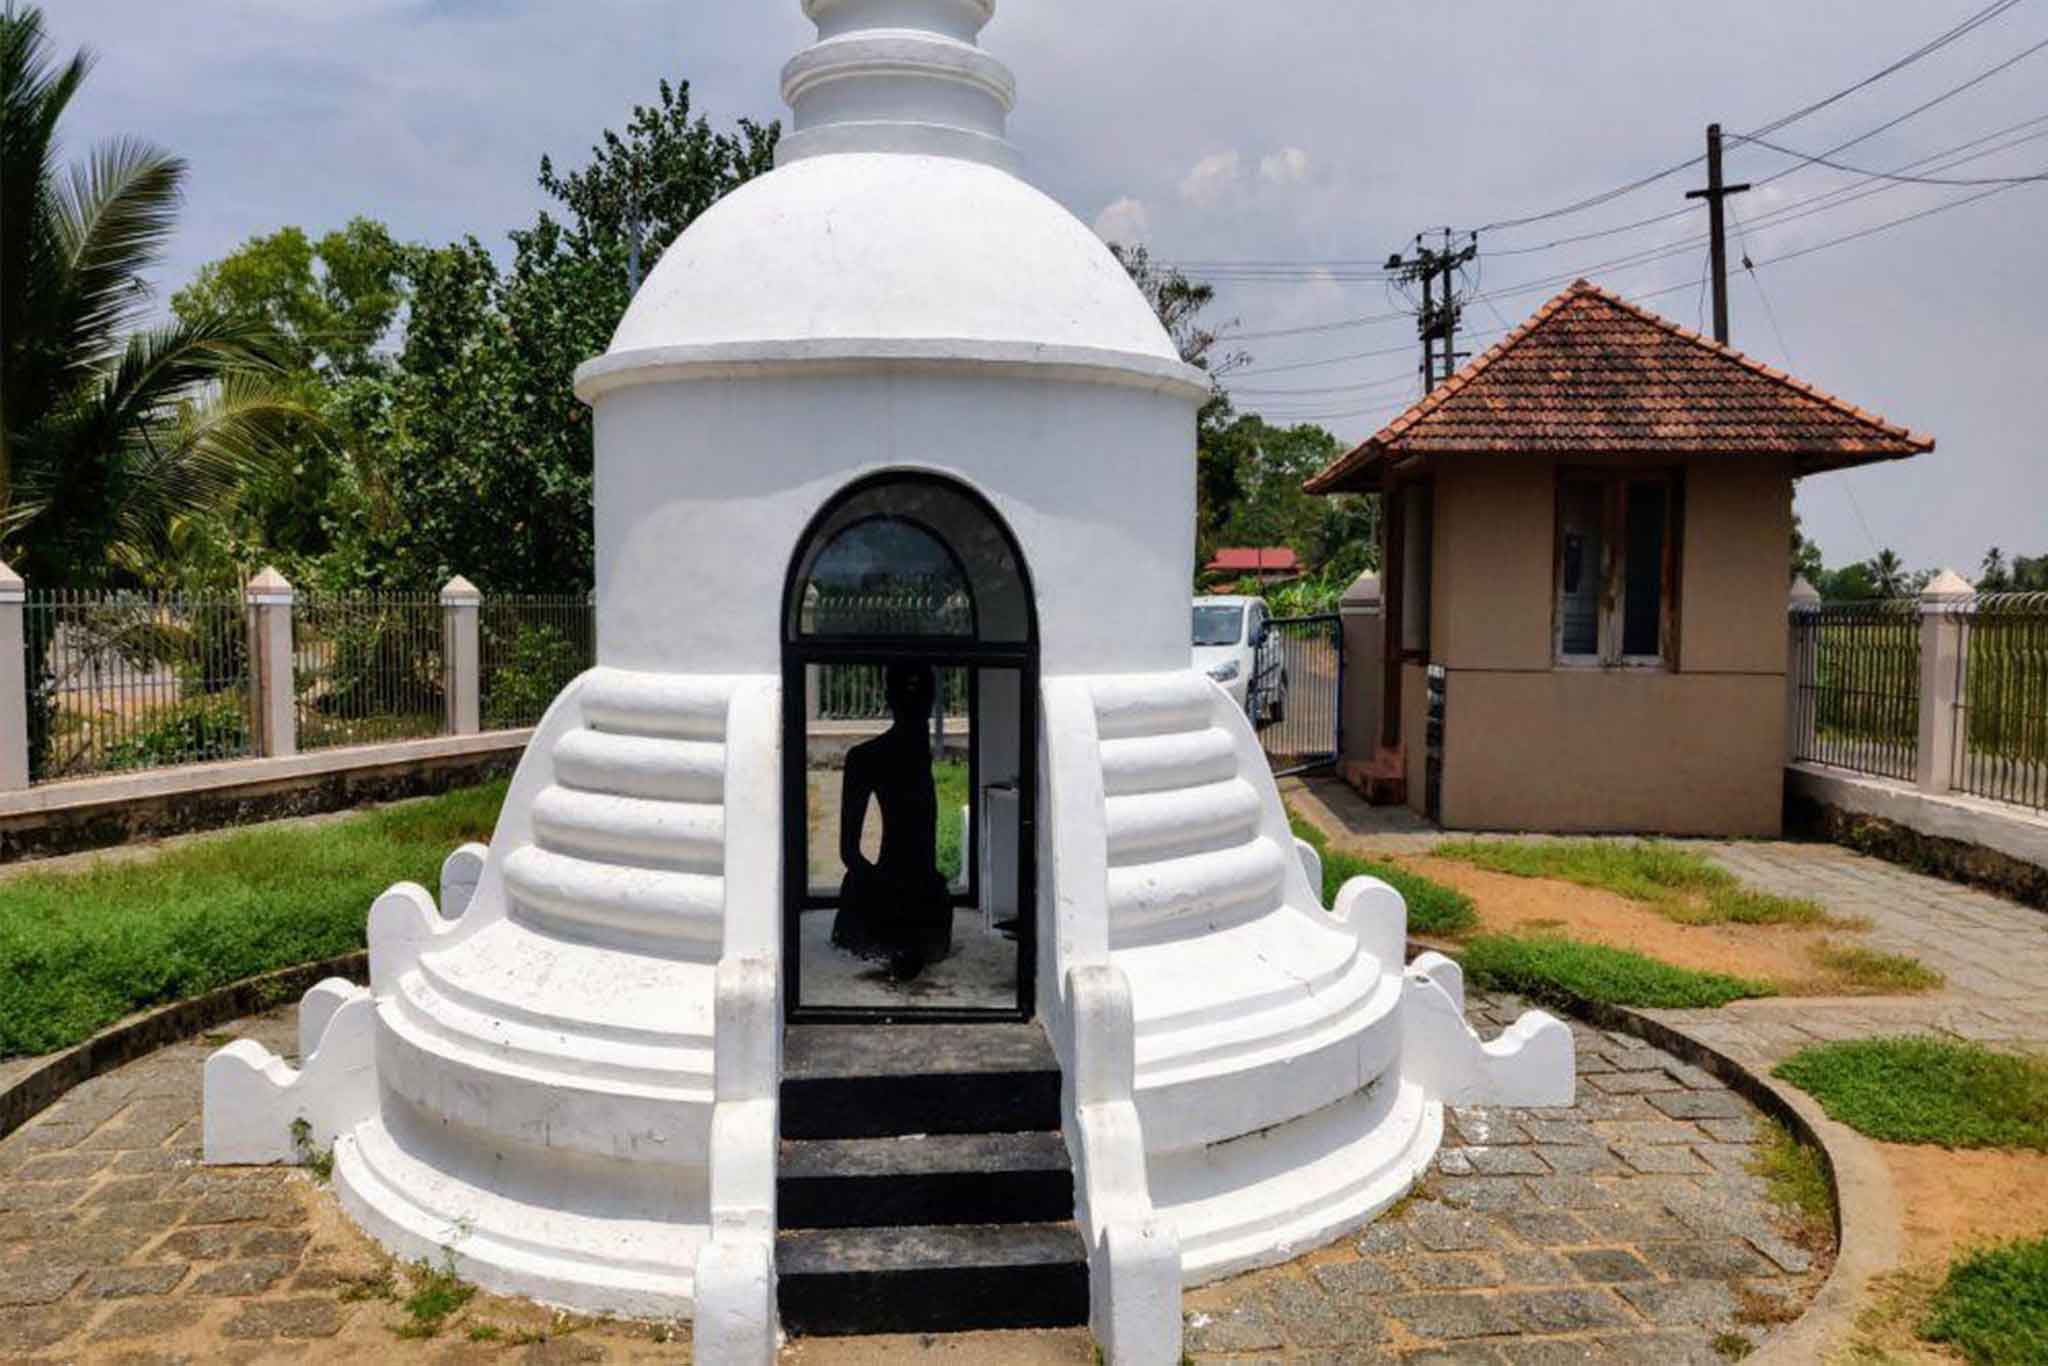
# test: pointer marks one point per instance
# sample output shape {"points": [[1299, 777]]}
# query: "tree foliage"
{"points": [[111, 429]]}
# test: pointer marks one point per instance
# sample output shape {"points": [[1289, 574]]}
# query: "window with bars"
{"points": [[1617, 569]]}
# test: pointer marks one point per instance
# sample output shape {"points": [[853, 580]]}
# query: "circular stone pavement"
{"points": [[1624, 1228]]}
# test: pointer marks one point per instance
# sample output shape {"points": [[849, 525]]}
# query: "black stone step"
{"points": [[877, 1081], [924, 1179], [953, 1279]]}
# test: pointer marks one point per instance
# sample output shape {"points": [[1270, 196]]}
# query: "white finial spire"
{"points": [[898, 76]]}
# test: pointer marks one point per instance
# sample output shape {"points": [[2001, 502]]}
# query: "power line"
{"points": [[1892, 175]]}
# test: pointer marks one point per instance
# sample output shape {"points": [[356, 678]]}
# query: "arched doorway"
{"points": [[910, 686]]}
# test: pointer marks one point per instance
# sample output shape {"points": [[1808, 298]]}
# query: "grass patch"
{"points": [[1681, 884], [1555, 970], [1433, 909], [1797, 1180], [949, 779], [1993, 1307], [1920, 1090], [1870, 970], [437, 1293], [81, 950]]}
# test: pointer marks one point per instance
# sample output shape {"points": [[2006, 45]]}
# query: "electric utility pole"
{"points": [[1438, 320], [1717, 229]]}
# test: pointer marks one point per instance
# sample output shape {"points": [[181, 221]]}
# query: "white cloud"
{"points": [[1212, 177], [1284, 167], [1124, 221]]}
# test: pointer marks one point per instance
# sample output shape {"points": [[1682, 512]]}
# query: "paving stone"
{"points": [[154, 1215], [1661, 1158], [1578, 1161], [1451, 1272], [1536, 1268], [1706, 1259], [1387, 1238], [1314, 1319], [26, 1195], [1484, 1126], [1550, 1352], [1663, 1349], [1491, 1194], [1569, 1192], [1564, 1311], [70, 1166], [143, 1161], [147, 1319], [1450, 1316], [1521, 1161], [1672, 1303], [274, 1242], [296, 1319], [1350, 1280], [91, 1243], [1616, 1225], [1608, 1264], [32, 1330], [1699, 1104], [203, 1244], [1641, 1133], [1547, 1227], [570, 1351], [1633, 1055], [1453, 1162], [1443, 1229], [244, 1208], [1248, 1327], [1454, 1354], [129, 1190], [37, 1284], [125, 1282], [251, 1277], [1782, 1250], [1554, 1131], [1732, 1158], [1636, 1083], [1694, 1078]]}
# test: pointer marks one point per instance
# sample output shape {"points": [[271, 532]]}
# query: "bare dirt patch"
{"points": [[1781, 954], [1950, 1201]]}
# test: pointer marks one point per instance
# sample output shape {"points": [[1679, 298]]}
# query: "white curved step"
{"points": [[641, 766], [1158, 763], [1206, 889], [555, 890], [1151, 704], [626, 1244], [1153, 825], [603, 826], [679, 706]]}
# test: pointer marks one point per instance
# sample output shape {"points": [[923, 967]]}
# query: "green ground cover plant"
{"points": [[1875, 971], [1797, 1179], [1993, 1307], [1554, 969], [1924, 1090], [1433, 909], [1682, 884], [80, 950]]}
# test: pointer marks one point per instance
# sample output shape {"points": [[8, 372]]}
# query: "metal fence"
{"points": [[367, 668], [1295, 694], [531, 647], [1856, 686], [134, 680], [856, 692], [2001, 691]]}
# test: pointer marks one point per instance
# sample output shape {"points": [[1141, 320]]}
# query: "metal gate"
{"points": [[1295, 697]]}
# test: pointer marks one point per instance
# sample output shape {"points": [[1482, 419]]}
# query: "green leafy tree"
{"points": [[330, 301], [1270, 464], [485, 451], [110, 430], [1993, 576], [1806, 558], [1887, 573]]}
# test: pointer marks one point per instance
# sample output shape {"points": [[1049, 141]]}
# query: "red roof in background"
{"points": [[1590, 373], [1253, 558]]}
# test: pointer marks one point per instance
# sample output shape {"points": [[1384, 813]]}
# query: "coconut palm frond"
{"points": [[113, 214]]}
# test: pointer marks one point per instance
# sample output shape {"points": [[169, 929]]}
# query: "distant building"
{"points": [[1586, 567], [1267, 564]]}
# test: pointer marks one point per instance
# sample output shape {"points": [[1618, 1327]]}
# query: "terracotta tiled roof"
{"points": [[1272, 557], [1590, 373]]}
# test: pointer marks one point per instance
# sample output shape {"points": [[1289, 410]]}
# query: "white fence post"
{"points": [[462, 655], [1941, 650], [273, 711], [13, 682], [1798, 647]]}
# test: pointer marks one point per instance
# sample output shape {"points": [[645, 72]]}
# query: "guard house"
{"points": [[1585, 580]]}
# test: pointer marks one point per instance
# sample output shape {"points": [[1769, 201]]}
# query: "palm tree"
{"points": [[111, 426], [1888, 574]]}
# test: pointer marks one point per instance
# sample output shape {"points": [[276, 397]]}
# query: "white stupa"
{"points": [[569, 1072]]}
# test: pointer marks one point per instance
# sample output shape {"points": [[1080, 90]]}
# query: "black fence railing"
{"points": [[2001, 733], [1856, 686]]}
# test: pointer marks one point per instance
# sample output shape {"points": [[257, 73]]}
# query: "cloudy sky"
{"points": [[1306, 132]]}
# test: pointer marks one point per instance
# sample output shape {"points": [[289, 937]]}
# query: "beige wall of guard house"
{"points": [[1594, 520]]}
